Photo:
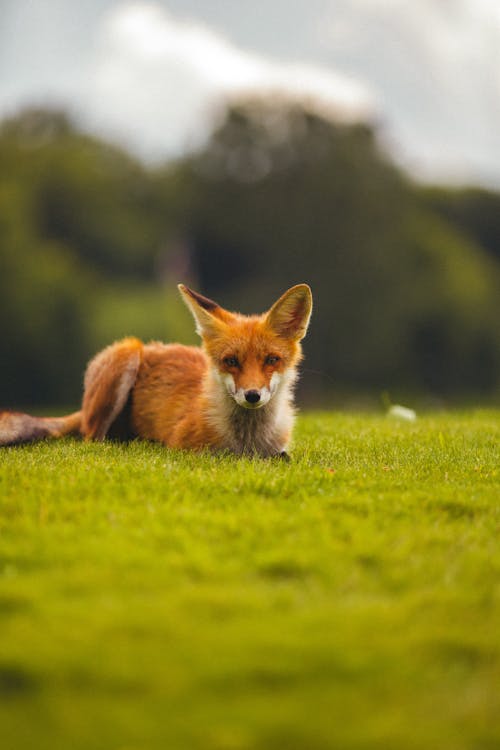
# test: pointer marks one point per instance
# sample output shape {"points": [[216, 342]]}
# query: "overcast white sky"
{"points": [[153, 74]]}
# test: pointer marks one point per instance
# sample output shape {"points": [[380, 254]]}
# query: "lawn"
{"points": [[349, 599]]}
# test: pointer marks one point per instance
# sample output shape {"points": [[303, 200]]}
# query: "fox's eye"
{"points": [[272, 359], [231, 361]]}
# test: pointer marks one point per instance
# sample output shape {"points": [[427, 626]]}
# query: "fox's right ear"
{"points": [[290, 315], [208, 315]]}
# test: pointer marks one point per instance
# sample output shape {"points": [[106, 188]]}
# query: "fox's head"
{"points": [[253, 356]]}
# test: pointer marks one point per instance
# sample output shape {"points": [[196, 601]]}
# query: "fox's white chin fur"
{"points": [[250, 407]]}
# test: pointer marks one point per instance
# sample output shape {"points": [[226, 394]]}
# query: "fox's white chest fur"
{"points": [[264, 431]]}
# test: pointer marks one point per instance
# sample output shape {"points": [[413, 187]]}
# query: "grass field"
{"points": [[350, 599]]}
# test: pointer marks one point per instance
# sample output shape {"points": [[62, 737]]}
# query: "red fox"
{"points": [[233, 393]]}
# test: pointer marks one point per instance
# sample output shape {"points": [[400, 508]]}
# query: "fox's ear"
{"points": [[208, 314], [289, 316]]}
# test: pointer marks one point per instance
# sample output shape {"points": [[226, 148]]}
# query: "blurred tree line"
{"points": [[406, 278]]}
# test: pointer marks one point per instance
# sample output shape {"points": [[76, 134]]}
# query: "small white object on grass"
{"points": [[402, 412]]}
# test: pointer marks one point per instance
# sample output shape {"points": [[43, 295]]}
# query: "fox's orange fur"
{"points": [[234, 393]]}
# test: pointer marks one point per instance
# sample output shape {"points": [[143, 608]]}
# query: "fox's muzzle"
{"points": [[252, 398]]}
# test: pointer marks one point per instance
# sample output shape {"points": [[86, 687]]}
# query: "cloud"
{"points": [[156, 81], [434, 68]]}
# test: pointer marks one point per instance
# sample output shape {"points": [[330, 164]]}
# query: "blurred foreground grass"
{"points": [[350, 599]]}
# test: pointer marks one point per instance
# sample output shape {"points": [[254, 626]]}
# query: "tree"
{"points": [[284, 195]]}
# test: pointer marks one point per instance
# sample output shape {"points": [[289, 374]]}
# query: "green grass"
{"points": [[156, 599]]}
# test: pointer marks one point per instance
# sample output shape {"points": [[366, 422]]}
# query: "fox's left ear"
{"points": [[289, 316], [208, 315]]}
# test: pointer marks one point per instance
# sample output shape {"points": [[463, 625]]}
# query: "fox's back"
{"points": [[169, 384]]}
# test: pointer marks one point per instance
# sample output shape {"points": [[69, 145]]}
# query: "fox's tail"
{"points": [[18, 428]]}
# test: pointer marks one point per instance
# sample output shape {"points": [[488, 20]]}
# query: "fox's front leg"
{"points": [[109, 379]]}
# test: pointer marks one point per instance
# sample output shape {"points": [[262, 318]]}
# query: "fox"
{"points": [[233, 393]]}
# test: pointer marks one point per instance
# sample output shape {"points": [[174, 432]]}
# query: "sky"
{"points": [[155, 76]]}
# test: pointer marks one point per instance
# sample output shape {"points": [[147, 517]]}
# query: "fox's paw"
{"points": [[282, 456]]}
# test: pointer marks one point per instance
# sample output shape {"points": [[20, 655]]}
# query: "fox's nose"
{"points": [[252, 396]]}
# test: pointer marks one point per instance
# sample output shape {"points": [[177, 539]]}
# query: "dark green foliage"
{"points": [[474, 211], [82, 226], [84, 194], [406, 280], [401, 296]]}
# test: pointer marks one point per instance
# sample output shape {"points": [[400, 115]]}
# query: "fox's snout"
{"points": [[252, 398]]}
